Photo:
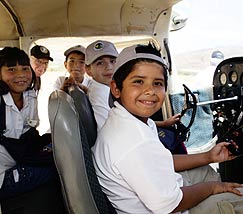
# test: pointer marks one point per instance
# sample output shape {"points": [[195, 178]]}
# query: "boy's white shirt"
{"points": [[118, 160], [17, 123], [98, 94]]}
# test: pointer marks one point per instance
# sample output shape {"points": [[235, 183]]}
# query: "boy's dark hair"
{"points": [[10, 56], [119, 77], [123, 71], [150, 49]]}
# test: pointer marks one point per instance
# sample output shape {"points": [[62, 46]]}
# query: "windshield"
{"points": [[211, 26]]}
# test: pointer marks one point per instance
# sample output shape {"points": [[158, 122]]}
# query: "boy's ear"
{"points": [[65, 64], [88, 70], [114, 90]]}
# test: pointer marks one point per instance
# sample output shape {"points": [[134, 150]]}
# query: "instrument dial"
{"points": [[222, 78], [233, 77]]}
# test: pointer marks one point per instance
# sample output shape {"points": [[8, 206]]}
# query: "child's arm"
{"points": [[202, 191], [169, 122], [217, 154]]}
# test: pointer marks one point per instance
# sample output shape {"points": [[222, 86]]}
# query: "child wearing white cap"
{"points": [[100, 59], [135, 170], [75, 66]]}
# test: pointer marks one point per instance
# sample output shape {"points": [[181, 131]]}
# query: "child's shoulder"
{"points": [[98, 86], [60, 79]]}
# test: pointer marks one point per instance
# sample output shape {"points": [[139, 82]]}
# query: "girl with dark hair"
{"points": [[21, 166]]}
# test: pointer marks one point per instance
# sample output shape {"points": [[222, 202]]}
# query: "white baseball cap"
{"points": [[78, 48], [132, 52], [99, 48]]}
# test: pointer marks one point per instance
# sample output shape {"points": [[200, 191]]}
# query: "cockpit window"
{"points": [[211, 26]]}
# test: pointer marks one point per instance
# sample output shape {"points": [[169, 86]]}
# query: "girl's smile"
{"points": [[17, 77]]}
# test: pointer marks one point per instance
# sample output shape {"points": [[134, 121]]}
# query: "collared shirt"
{"points": [[17, 123], [98, 94], [134, 169]]}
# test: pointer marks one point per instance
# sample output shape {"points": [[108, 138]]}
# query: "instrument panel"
{"points": [[229, 73], [227, 115], [228, 82]]}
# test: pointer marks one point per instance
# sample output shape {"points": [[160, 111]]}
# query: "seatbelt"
{"points": [[2, 116]]}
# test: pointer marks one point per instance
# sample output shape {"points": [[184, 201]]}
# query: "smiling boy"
{"points": [[135, 170], [75, 66]]}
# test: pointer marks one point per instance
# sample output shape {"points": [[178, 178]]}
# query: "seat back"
{"points": [[86, 114], [73, 156]]}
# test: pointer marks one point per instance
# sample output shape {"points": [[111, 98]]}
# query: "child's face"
{"points": [[17, 77], [102, 69], [143, 90], [75, 66]]}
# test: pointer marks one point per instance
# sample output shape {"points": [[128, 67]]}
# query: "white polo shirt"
{"points": [[98, 95], [134, 169]]}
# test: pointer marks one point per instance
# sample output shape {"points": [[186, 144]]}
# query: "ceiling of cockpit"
{"points": [[72, 18]]}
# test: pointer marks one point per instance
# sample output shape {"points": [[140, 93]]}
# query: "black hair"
{"points": [[11, 56], [121, 74], [150, 49]]}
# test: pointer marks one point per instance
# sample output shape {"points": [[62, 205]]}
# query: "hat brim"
{"points": [[51, 59], [112, 54], [44, 57], [79, 49]]}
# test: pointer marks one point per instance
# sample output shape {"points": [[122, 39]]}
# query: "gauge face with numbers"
{"points": [[233, 76], [222, 78]]}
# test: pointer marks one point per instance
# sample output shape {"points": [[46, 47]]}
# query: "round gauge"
{"points": [[222, 78], [233, 76]]}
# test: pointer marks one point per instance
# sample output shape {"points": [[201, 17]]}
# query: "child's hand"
{"points": [[67, 83], [169, 122], [220, 153], [84, 88], [221, 187], [172, 120]]}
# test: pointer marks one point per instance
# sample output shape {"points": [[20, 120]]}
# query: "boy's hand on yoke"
{"points": [[220, 153]]}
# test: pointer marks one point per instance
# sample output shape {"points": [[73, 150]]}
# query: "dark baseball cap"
{"points": [[40, 52]]}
